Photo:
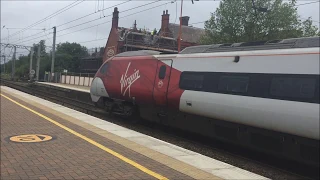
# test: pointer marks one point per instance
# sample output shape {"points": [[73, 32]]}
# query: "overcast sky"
{"points": [[21, 14]]}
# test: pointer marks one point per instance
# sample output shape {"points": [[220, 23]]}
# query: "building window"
{"points": [[191, 81], [293, 87], [162, 72], [103, 69], [236, 84]]}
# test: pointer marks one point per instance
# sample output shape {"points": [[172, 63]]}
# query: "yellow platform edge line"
{"points": [[123, 158]]}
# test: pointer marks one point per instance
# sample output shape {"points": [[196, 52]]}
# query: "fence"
{"points": [[78, 79]]}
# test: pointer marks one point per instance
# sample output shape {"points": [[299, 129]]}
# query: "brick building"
{"points": [[123, 39]]}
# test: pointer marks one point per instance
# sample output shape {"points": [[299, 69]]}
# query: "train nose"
{"points": [[98, 89]]}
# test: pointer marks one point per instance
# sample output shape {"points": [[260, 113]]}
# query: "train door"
{"points": [[161, 83]]}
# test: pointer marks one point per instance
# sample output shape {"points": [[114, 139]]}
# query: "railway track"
{"points": [[271, 167]]}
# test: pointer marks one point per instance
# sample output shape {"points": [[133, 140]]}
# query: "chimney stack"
{"points": [[165, 23], [135, 25], [185, 20], [115, 18]]}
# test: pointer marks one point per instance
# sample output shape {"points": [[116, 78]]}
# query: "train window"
{"points": [[162, 72], [103, 69], [237, 84], [293, 87], [191, 81]]}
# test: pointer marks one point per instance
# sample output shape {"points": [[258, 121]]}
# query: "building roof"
{"points": [[189, 34]]}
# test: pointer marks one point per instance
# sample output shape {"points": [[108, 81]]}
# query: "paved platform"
{"points": [[86, 147], [68, 86]]}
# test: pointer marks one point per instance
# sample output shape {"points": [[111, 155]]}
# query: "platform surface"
{"points": [[68, 86], [87, 147]]}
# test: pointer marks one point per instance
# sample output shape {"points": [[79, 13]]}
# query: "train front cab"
{"points": [[98, 87]]}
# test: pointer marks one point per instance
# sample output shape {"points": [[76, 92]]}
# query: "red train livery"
{"points": [[142, 79], [264, 97]]}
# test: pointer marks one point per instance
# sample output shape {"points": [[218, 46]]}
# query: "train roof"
{"points": [[305, 42], [138, 53]]}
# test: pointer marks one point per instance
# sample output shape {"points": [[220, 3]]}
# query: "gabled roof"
{"points": [[188, 34]]}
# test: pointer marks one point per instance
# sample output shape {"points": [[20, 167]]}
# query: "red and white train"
{"points": [[263, 96]]}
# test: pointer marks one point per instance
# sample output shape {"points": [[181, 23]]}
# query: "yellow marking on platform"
{"points": [[123, 158], [30, 138]]}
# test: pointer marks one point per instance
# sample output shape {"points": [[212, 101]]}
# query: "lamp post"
{"points": [[4, 63], [179, 41], [4, 26], [8, 34], [4, 49]]}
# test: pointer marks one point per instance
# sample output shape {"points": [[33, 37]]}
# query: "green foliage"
{"points": [[42, 48], [5, 76], [45, 59], [22, 66], [68, 56], [237, 21], [309, 29], [23, 62]]}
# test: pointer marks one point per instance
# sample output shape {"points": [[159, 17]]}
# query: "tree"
{"points": [[68, 56], [42, 48], [237, 21], [22, 62], [45, 60], [309, 29], [22, 66]]}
